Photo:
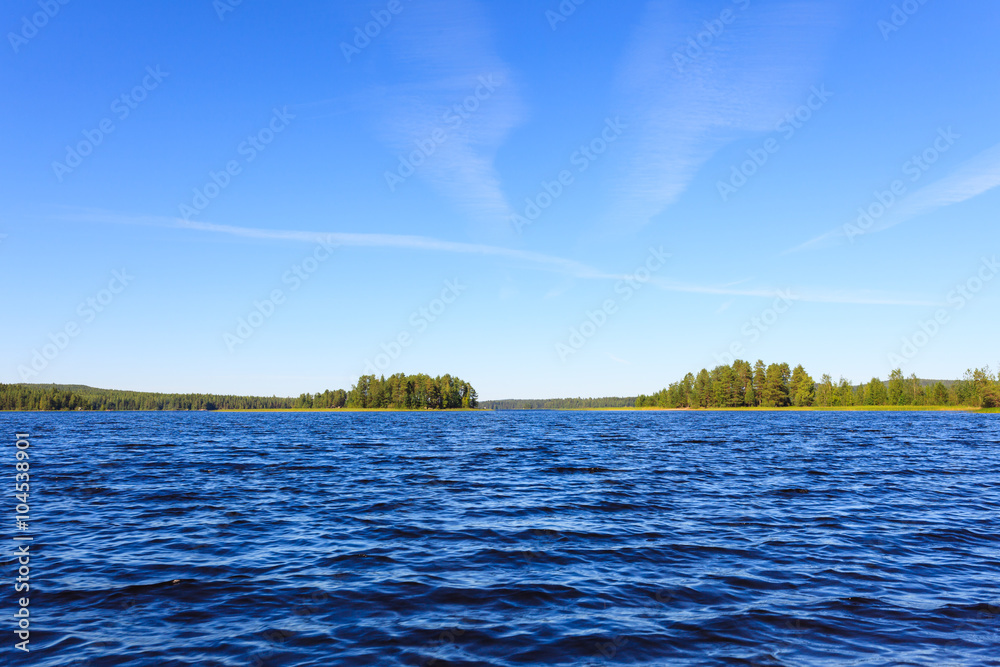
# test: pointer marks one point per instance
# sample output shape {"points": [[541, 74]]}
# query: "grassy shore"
{"points": [[852, 408], [849, 408], [839, 408], [353, 410], [846, 408]]}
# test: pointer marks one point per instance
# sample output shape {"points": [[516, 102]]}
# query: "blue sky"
{"points": [[492, 190]]}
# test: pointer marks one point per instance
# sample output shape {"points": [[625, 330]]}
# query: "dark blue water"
{"points": [[510, 539]]}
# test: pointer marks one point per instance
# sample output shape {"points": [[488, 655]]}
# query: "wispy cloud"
{"points": [[820, 241], [814, 295], [685, 105], [569, 268], [360, 240], [973, 178], [441, 55]]}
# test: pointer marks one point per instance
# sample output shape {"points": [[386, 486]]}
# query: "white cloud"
{"points": [[973, 178], [558, 265], [443, 53], [681, 112]]}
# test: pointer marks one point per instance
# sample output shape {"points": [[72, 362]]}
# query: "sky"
{"points": [[545, 199]]}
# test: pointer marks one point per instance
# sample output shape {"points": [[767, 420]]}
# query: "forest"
{"points": [[410, 392], [741, 385]]}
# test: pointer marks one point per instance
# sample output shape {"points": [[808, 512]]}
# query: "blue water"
{"points": [[510, 539]]}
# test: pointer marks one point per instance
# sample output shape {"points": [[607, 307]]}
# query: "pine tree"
{"points": [[801, 388], [759, 380]]}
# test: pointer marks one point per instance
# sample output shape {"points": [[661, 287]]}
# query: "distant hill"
{"points": [[558, 403], [61, 387]]}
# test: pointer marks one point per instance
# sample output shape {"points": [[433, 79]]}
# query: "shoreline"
{"points": [[849, 408], [829, 408]]}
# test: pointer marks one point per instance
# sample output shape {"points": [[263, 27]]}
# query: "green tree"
{"points": [[702, 389], [897, 388], [802, 388], [875, 393], [824, 391], [776, 386], [759, 381]]}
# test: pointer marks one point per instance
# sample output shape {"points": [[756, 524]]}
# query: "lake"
{"points": [[510, 538]]}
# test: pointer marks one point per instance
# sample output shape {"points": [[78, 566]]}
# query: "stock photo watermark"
{"points": [[608, 650], [453, 119], [88, 310], [444, 639], [699, 43], [420, 320], [787, 127], [363, 35], [22, 583], [121, 107], [223, 7], [248, 150], [983, 628], [319, 600], [581, 159], [542, 541], [899, 17], [562, 13], [596, 319], [958, 298], [264, 310], [914, 168], [30, 26], [757, 326]]}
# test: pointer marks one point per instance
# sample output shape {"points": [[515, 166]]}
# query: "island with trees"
{"points": [[741, 385], [397, 392]]}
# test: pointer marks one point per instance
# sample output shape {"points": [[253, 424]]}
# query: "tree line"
{"points": [[61, 397], [559, 403], [412, 392], [741, 385]]}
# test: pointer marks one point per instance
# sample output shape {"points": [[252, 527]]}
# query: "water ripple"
{"points": [[514, 538]]}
